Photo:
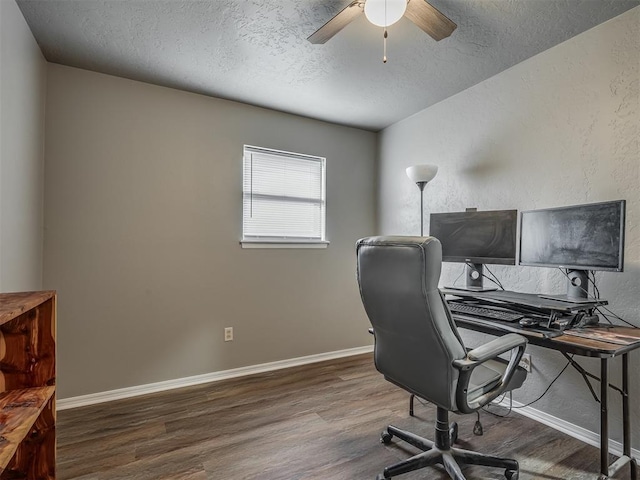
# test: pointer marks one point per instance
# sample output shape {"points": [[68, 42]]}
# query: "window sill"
{"points": [[283, 244]]}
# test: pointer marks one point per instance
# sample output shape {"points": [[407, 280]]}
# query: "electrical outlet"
{"points": [[525, 362], [228, 334]]}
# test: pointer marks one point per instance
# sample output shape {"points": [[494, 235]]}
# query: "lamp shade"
{"points": [[422, 173], [384, 12]]}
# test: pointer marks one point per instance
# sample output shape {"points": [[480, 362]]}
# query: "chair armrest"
{"points": [[478, 356], [496, 347]]}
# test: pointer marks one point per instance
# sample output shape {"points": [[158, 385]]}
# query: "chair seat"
{"points": [[484, 378], [487, 376]]}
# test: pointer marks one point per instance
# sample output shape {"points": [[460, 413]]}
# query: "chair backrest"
{"points": [[416, 340]]}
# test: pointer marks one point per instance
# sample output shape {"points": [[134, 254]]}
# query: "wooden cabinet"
{"points": [[27, 385]]}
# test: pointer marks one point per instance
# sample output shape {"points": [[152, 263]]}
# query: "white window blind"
{"points": [[283, 197]]}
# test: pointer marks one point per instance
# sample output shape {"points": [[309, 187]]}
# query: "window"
{"points": [[283, 200]]}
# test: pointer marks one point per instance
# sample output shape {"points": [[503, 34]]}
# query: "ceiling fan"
{"points": [[386, 12]]}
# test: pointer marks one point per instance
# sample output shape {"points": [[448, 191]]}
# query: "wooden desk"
{"points": [[569, 344]]}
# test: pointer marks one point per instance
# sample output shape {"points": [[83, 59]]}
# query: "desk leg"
{"points": [[604, 418], [626, 426]]}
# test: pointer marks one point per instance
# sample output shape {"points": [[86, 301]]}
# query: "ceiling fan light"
{"points": [[384, 12]]}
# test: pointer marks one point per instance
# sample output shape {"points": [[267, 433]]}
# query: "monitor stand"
{"points": [[577, 288], [475, 278]]}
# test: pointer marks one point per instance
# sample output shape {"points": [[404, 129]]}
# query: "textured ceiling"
{"points": [[255, 51]]}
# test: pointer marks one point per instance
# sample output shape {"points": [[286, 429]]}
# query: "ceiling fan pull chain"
{"points": [[384, 46]]}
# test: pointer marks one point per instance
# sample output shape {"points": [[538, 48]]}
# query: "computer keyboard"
{"points": [[486, 312]]}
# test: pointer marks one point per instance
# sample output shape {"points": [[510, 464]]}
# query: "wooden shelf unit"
{"points": [[27, 385]]}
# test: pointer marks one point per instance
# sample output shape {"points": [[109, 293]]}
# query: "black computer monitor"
{"points": [[578, 238], [476, 238]]}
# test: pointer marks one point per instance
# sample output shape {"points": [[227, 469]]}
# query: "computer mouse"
{"points": [[528, 322]]}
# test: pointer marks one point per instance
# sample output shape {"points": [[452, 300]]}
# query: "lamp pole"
{"points": [[421, 186]]}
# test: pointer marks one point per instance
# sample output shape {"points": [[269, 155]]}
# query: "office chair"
{"points": [[418, 348]]}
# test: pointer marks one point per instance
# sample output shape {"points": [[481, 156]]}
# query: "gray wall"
{"points": [[558, 129], [22, 102], [142, 226]]}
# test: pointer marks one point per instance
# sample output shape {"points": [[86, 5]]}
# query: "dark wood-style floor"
{"points": [[319, 421]]}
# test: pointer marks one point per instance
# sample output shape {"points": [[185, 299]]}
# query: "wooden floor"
{"points": [[319, 421]]}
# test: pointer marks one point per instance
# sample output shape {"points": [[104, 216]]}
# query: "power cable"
{"points": [[546, 390]]}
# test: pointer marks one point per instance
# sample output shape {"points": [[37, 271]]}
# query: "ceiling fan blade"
{"points": [[429, 19], [337, 23]]}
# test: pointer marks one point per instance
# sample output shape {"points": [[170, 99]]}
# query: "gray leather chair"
{"points": [[418, 348]]}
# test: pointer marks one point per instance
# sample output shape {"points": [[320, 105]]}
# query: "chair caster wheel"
{"points": [[511, 474], [385, 437]]}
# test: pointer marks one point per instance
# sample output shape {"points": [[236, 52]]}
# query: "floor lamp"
{"points": [[421, 175]]}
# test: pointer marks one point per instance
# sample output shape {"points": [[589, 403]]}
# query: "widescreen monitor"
{"points": [[476, 238], [583, 237], [578, 238]]}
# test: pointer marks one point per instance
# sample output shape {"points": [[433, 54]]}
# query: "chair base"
{"points": [[441, 452]]}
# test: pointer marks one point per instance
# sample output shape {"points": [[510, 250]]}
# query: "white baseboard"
{"points": [[129, 392], [582, 434]]}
